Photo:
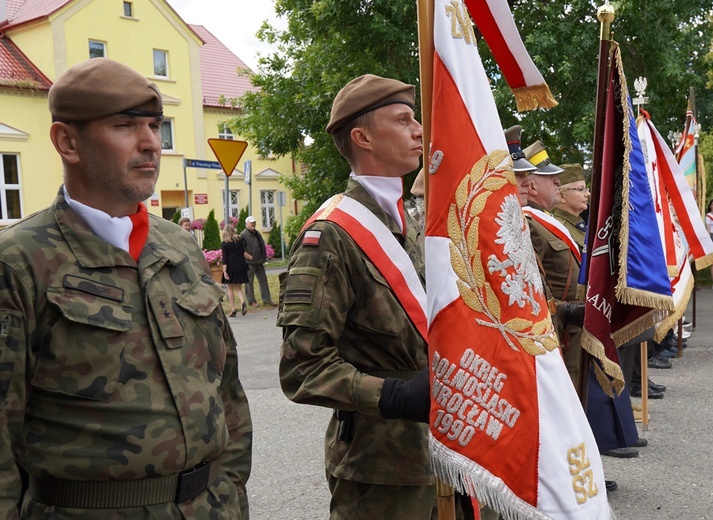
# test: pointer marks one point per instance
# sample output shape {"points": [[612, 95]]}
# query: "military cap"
{"points": [[571, 173], [367, 93], [520, 164], [102, 87], [537, 155]]}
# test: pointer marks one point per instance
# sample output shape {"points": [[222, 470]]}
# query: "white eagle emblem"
{"points": [[519, 268]]}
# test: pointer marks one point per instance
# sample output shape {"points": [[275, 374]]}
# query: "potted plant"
{"points": [[214, 257]]}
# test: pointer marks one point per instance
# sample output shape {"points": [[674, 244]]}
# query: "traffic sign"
{"points": [[199, 163], [228, 152]]}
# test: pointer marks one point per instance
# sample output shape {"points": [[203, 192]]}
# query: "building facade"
{"points": [[197, 76]]}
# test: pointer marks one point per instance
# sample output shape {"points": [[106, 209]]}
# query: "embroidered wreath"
{"points": [[522, 282]]}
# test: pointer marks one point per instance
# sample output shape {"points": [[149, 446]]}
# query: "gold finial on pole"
{"points": [[606, 15]]}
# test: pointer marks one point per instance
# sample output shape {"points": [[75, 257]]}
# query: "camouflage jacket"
{"points": [[340, 323], [113, 372]]}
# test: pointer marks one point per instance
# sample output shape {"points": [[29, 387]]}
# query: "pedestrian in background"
{"points": [[119, 387], [255, 247], [235, 268]]}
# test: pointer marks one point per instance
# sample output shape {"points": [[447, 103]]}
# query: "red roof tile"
{"points": [[16, 71], [21, 11], [219, 68]]}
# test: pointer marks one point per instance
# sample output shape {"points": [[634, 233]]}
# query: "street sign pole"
{"points": [[248, 167], [185, 183], [227, 200], [228, 152], [282, 201]]}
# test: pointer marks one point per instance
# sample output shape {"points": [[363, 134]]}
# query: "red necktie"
{"points": [[140, 231]]}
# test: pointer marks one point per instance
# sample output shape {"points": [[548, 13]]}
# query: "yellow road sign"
{"points": [[228, 152]]}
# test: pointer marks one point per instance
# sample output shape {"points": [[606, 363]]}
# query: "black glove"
{"points": [[573, 313], [410, 400]]}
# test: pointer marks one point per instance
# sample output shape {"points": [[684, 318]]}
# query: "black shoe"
{"points": [[611, 485], [233, 314], [636, 392], [622, 453], [244, 309], [656, 388], [640, 443], [657, 362]]}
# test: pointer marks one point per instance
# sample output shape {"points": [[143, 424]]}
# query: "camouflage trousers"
{"points": [[361, 501]]}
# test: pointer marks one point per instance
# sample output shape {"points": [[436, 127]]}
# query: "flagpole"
{"points": [[426, 48], [605, 15], [445, 495]]}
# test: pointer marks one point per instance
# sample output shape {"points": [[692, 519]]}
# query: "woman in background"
{"points": [[235, 268]]}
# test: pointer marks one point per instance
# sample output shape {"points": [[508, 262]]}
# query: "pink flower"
{"points": [[198, 223], [269, 252], [214, 257]]}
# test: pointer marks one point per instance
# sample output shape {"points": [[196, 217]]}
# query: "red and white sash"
{"points": [[378, 243], [555, 227]]}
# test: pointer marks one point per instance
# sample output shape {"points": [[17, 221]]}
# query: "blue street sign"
{"points": [[197, 163]]}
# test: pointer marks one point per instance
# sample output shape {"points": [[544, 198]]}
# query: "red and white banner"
{"points": [[681, 198], [506, 424], [495, 22]]}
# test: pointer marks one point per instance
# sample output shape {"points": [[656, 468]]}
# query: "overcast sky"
{"points": [[234, 22]]}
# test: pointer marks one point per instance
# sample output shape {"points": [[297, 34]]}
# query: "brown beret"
{"points": [[537, 155], [571, 173], [367, 93], [102, 87]]}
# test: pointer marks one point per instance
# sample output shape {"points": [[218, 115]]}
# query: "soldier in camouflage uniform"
{"points": [[348, 343], [119, 386]]}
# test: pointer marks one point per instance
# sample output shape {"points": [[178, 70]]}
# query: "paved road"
{"points": [[671, 479]]}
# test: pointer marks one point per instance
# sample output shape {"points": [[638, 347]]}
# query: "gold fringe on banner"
{"points": [[534, 96], [704, 261], [615, 381], [670, 321]]}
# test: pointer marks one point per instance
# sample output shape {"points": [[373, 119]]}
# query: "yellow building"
{"points": [[40, 39]]}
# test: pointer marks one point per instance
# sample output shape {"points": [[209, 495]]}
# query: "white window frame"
{"points": [[5, 187], [224, 132], [103, 47], [168, 122], [234, 203], [159, 52], [268, 208]]}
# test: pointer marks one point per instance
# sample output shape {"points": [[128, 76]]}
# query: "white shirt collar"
{"points": [[387, 191], [115, 230]]}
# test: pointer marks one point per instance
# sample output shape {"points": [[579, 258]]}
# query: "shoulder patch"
{"points": [[312, 238]]}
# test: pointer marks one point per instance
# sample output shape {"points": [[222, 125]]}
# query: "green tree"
{"points": [[275, 240], [176, 216], [211, 233], [660, 40], [240, 226], [329, 42]]}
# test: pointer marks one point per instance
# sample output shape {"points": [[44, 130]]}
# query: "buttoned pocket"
{"points": [[379, 311], [92, 321], [203, 329]]}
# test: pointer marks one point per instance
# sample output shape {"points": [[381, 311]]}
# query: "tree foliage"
{"points": [[663, 41], [211, 233], [329, 42]]}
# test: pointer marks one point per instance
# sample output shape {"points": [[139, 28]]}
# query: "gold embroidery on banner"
{"points": [[490, 174], [461, 24], [580, 468]]}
